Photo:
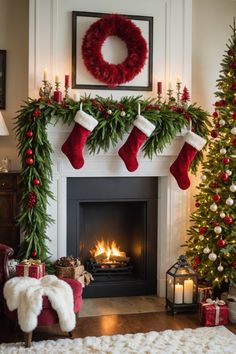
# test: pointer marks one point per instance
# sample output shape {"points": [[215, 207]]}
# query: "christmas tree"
{"points": [[212, 242]]}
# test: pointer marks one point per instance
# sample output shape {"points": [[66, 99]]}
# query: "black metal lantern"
{"points": [[181, 287]]}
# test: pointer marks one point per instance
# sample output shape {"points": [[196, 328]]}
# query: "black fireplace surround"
{"points": [[123, 209]]}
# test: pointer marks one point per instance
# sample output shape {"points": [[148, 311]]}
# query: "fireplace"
{"points": [[122, 211]]}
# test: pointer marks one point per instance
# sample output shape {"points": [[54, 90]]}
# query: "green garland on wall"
{"points": [[115, 119]]}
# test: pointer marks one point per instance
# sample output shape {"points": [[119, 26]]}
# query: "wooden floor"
{"points": [[109, 325]]}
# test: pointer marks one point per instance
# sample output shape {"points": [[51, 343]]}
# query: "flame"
{"points": [[107, 248]]}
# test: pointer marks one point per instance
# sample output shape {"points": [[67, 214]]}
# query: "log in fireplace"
{"points": [[112, 228]]}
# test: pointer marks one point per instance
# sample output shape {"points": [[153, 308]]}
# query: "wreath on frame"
{"points": [[111, 74]]}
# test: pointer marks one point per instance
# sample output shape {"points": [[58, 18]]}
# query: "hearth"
{"points": [[112, 228]]}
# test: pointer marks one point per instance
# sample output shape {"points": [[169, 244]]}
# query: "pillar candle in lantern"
{"points": [[188, 291], [67, 80], [45, 75], [159, 87], [178, 293]]}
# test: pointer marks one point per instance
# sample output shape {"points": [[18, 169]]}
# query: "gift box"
{"points": [[213, 313], [30, 268], [204, 292]]}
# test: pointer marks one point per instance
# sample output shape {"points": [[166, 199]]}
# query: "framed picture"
{"points": [[113, 50], [3, 54]]}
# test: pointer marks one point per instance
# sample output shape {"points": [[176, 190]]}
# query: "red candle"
{"points": [[57, 96], [67, 79], [159, 87]]}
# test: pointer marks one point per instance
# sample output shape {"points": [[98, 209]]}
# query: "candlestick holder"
{"points": [[178, 93], [66, 92], [45, 90], [170, 95], [57, 95], [159, 97]]}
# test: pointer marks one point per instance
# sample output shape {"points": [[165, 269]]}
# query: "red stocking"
{"points": [[141, 131], [179, 168], [73, 147]]}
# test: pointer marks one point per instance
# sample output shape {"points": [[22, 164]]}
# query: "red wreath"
{"points": [[126, 30]]}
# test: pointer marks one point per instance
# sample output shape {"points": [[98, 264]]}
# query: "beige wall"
{"points": [[14, 38]]}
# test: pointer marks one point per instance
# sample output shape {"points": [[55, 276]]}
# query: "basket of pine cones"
{"points": [[69, 267]]}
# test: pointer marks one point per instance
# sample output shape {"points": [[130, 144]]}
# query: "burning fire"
{"points": [[107, 249]]}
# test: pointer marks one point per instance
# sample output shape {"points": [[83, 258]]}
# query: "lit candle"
{"points": [[178, 293], [188, 291], [76, 96], [57, 78], [159, 87], [45, 75], [170, 85], [178, 80], [67, 80]]}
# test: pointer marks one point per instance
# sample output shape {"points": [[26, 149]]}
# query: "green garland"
{"points": [[115, 119]]}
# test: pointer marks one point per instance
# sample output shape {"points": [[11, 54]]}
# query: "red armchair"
{"points": [[48, 315]]}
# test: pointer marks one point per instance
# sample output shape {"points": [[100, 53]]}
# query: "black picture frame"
{"points": [[3, 56], [76, 65]]}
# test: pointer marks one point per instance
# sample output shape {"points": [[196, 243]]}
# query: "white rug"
{"points": [[189, 341]]}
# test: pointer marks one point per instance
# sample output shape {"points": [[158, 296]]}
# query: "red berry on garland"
{"points": [[34, 253], [228, 220], [29, 152], [202, 230], [213, 185], [226, 160], [29, 134], [216, 197], [36, 182], [197, 204], [234, 115], [214, 134], [37, 112], [32, 199], [29, 161], [224, 176], [215, 114], [221, 243]]}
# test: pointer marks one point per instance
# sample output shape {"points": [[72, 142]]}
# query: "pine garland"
{"points": [[115, 119]]}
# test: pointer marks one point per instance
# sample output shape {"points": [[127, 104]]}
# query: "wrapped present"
{"points": [[30, 268], [213, 312], [204, 292]]}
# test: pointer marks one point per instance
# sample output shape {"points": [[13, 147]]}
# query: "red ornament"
{"points": [[37, 112], [202, 230], [228, 220], [233, 141], [217, 125], [234, 115], [34, 253], [234, 264], [224, 176], [233, 86], [29, 152], [234, 101], [36, 182], [29, 134], [120, 26], [233, 64], [226, 160], [197, 204], [29, 161], [214, 134], [216, 197], [213, 185], [221, 243], [222, 103], [197, 261], [215, 114], [215, 223]]}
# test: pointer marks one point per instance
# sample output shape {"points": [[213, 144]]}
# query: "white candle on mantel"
{"points": [[178, 80], [170, 85], [57, 78], [76, 96], [45, 75], [178, 293], [188, 291], [139, 109]]}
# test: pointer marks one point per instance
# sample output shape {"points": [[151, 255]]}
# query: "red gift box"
{"points": [[30, 268], [213, 313]]}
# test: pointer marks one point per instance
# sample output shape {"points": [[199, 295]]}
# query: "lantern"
{"points": [[181, 287]]}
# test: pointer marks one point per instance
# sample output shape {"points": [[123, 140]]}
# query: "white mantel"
{"points": [[50, 46]]}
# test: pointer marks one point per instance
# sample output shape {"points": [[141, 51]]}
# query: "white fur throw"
{"points": [[25, 294]]}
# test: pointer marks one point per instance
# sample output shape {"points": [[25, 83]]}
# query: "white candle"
{"points": [[178, 294], [170, 85], [76, 96], [57, 79], [178, 80], [45, 75], [139, 109], [188, 291]]}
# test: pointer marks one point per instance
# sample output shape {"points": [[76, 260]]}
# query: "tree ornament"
{"points": [[233, 131], [202, 230], [217, 230], [217, 126], [226, 160], [224, 176], [222, 122], [123, 113], [214, 134], [109, 112], [214, 114], [222, 215], [179, 168], [215, 223], [234, 139], [36, 182], [203, 177], [213, 207], [29, 134], [213, 185], [201, 237], [228, 220], [223, 151], [233, 188], [234, 264], [233, 86], [234, 116], [216, 197], [29, 161], [206, 250], [197, 204], [220, 268], [212, 256], [37, 112], [229, 173], [233, 64], [29, 152], [221, 243], [34, 253], [229, 201]]}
